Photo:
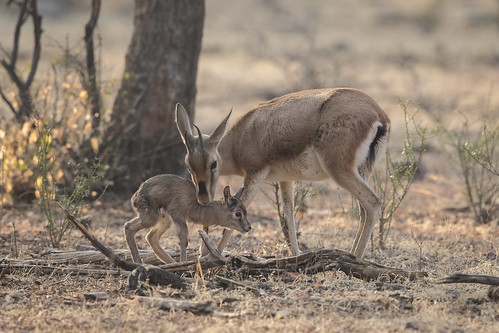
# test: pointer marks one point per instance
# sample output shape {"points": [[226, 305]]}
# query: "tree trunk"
{"points": [[161, 67]]}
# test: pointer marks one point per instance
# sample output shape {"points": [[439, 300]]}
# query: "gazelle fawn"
{"points": [[166, 199], [308, 135]]}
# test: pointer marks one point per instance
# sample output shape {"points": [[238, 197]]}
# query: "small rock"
{"points": [[453, 294], [413, 325], [281, 314], [390, 286], [97, 296], [494, 293], [491, 256], [15, 297], [84, 247]]}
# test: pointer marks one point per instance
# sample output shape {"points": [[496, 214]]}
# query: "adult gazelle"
{"points": [[308, 135]]}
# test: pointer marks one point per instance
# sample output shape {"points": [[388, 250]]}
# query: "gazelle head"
{"points": [[238, 217], [202, 158]]}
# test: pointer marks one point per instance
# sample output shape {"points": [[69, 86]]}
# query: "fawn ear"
{"points": [[239, 193], [226, 195], [219, 132]]}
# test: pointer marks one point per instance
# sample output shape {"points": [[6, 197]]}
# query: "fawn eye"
{"points": [[213, 165], [239, 215]]}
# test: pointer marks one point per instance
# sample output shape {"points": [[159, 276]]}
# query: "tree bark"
{"points": [[161, 68]]}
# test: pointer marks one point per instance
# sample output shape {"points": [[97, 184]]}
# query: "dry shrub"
{"points": [[393, 181], [473, 152], [50, 158], [62, 109]]}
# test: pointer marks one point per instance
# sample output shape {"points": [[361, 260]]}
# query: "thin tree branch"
{"points": [[37, 31], [93, 89], [6, 100], [17, 32], [27, 8]]}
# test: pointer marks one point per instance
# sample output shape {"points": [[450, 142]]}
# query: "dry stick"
{"points": [[227, 281], [126, 265], [95, 256], [471, 278], [215, 255], [16, 267], [321, 261]]}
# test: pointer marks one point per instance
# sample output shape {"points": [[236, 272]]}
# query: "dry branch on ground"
{"points": [[309, 263]]}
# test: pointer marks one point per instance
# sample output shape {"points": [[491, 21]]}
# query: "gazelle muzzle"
{"points": [[202, 194]]}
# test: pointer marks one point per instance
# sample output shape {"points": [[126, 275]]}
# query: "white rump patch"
{"points": [[363, 151]]}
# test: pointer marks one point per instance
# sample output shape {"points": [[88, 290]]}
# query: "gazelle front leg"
{"points": [[289, 226], [251, 187], [182, 233]]}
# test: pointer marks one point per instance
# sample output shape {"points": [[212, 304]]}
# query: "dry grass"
{"points": [[439, 242], [437, 53]]}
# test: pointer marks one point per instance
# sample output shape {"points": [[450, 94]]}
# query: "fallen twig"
{"points": [[212, 248], [20, 267], [95, 256], [126, 265], [320, 261], [226, 281], [471, 278]]}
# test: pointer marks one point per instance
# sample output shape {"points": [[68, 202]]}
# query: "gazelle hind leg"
{"points": [[351, 181], [130, 229], [289, 225], [153, 237], [146, 219], [362, 215], [362, 225]]}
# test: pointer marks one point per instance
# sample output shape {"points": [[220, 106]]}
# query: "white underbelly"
{"points": [[307, 166]]}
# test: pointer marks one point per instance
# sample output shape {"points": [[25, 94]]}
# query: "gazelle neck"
{"points": [[208, 214], [225, 149]]}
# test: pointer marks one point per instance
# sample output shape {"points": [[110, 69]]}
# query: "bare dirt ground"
{"points": [[442, 55]]}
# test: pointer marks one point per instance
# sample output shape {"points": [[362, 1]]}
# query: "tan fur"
{"points": [[166, 199], [307, 135]]}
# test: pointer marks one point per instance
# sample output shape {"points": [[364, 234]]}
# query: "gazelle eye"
{"points": [[238, 215], [213, 165]]}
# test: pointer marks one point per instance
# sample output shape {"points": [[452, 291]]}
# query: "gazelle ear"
{"points": [[226, 194], [182, 120], [189, 141], [184, 126], [239, 193], [219, 132]]}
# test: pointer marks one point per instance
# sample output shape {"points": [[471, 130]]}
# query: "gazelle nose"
{"points": [[203, 195], [203, 199], [202, 188]]}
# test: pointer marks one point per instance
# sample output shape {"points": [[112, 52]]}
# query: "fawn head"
{"points": [[237, 217], [202, 159]]}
